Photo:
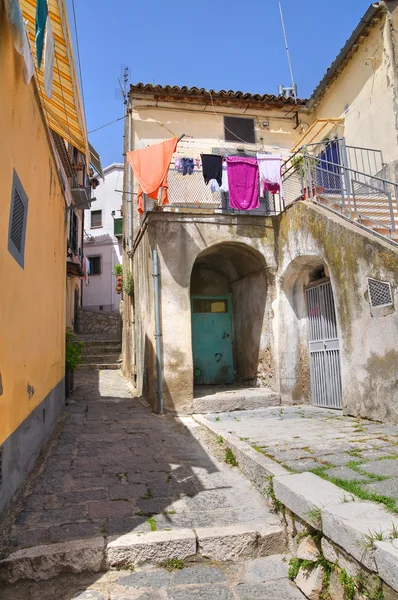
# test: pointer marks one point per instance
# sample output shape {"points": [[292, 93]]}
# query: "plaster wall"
{"points": [[308, 237], [180, 241], [363, 95]]}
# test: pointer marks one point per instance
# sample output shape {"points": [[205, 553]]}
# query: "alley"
{"points": [[116, 467]]}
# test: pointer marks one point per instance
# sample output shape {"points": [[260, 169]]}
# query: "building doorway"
{"points": [[212, 340], [324, 347], [228, 294]]}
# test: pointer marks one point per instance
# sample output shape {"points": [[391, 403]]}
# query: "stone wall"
{"points": [[267, 262], [98, 321]]}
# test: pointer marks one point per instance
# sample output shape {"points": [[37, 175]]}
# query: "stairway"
{"points": [[100, 352], [370, 212]]}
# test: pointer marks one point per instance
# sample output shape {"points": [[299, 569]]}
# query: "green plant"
{"points": [[218, 419], [174, 563], [128, 283], [73, 350], [230, 458], [348, 584], [118, 270], [294, 568], [369, 539], [315, 516], [147, 495], [220, 440], [152, 523]]}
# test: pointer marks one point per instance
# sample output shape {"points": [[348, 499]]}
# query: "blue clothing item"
{"points": [[187, 166], [41, 18], [17, 25]]}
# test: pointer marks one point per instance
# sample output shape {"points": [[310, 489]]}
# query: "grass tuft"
{"points": [[230, 458], [152, 523]]}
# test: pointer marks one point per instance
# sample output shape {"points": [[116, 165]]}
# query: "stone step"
{"points": [[96, 350], [99, 366], [91, 343], [98, 358], [215, 399], [230, 543]]}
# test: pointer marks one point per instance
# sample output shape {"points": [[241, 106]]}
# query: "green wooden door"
{"points": [[212, 340]]}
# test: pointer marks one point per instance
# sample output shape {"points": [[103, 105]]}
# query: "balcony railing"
{"points": [[118, 227], [191, 192]]}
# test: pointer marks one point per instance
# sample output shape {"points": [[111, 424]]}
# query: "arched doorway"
{"points": [[228, 295], [312, 320]]}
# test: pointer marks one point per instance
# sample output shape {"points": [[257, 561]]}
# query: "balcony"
{"points": [[189, 193], [118, 227], [80, 186]]}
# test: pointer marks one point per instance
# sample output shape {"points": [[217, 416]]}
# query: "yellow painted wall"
{"points": [[32, 300], [365, 87]]}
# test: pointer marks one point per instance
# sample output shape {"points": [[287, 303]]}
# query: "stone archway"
{"points": [[308, 334], [228, 291]]}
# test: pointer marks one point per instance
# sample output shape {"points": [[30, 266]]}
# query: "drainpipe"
{"points": [[129, 177], [158, 330]]}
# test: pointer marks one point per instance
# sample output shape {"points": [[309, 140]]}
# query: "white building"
{"points": [[103, 242]]}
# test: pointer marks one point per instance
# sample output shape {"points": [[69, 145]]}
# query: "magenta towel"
{"points": [[243, 182]]}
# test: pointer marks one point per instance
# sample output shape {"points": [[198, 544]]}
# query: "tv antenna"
{"points": [[287, 91], [123, 81]]}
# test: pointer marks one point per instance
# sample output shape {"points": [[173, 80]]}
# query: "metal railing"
{"points": [[191, 192], [370, 200]]}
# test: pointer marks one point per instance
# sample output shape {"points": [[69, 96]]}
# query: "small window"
{"points": [[379, 292], [17, 224], [204, 305], [237, 129], [96, 218], [95, 265]]}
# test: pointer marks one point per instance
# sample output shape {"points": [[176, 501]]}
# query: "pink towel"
{"points": [[243, 182]]}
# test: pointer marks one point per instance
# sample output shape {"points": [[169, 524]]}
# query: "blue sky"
{"points": [[233, 44]]}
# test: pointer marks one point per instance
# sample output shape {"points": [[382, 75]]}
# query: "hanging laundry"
{"points": [[224, 183], [29, 67], [212, 168], [41, 18], [178, 165], [270, 168], [243, 182], [17, 26], [49, 60], [187, 166], [151, 167]]}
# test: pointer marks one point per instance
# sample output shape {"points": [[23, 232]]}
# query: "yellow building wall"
{"points": [[32, 316], [362, 94]]}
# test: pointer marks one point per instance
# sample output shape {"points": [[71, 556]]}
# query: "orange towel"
{"points": [[151, 167]]}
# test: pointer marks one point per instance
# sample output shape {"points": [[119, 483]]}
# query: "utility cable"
{"points": [[106, 124]]}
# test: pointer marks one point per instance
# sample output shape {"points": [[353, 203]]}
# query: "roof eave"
{"points": [[343, 56]]}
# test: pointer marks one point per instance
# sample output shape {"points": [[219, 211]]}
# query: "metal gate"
{"points": [[323, 346]]}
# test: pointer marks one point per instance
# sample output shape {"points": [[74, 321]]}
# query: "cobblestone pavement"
{"points": [[115, 467], [258, 579], [357, 454]]}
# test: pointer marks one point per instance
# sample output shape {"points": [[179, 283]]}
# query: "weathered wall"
{"points": [[98, 321], [144, 320], [180, 240], [32, 316], [308, 236], [269, 311], [363, 95]]}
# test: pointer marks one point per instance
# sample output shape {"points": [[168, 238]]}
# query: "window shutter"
{"points": [[17, 223]]}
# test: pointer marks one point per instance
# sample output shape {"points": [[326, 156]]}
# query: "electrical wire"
{"points": [[106, 125]]}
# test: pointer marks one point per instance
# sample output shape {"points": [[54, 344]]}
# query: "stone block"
{"points": [[386, 556], [244, 540], [349, 523], [310, 582], [307, 549], [387, 468], [305, 492], [43, 562], [272, 590], [265, 569], [215, 592], [328, 551], [103, 510], [152, 548]]}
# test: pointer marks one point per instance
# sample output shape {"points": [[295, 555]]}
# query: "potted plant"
{"points": [[73, 358], [118, 271], [128, 284], [307, 168]]}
